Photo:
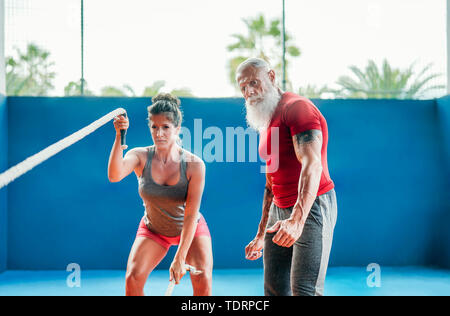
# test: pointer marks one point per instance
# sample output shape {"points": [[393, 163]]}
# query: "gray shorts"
{"points": [[301, 269]]}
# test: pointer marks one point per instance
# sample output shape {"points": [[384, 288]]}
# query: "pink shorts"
{"points": [[166, 242]]}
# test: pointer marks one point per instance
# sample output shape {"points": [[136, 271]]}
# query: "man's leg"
{"points": [[277, 260], [312, 250]]}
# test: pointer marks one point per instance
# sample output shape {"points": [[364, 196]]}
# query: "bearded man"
{"points": [[299, 205]]}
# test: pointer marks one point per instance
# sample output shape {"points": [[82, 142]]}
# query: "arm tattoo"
{"points": [[307, 137], [267, 202], [268, 197]]}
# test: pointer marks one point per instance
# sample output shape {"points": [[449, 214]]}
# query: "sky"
{"points": [[184, 43]]}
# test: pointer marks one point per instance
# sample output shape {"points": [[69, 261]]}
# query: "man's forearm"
{"points": [[307, 191], [267, 202]]}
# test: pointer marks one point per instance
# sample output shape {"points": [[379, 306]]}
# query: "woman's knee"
{"points": [[202, 283], [135, 279]]}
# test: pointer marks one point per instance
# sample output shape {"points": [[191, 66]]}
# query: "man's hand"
{"points": [[253, 251], [289, 231]]}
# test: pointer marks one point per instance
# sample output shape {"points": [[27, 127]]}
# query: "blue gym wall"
{"points": [[385, 156], [3, 192], [443, 105]]}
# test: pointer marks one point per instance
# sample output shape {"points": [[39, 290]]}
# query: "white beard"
{"points": [[259, 114]]}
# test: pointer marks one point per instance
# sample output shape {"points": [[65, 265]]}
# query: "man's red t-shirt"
{"points": [[293, 115]]}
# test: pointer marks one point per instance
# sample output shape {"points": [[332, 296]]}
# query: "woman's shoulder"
{"points": [[191, 157], [140, 149], [141, 152], [194, 163]]}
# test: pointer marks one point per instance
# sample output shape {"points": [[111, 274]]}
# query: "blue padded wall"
{"points": [[385, 157]]}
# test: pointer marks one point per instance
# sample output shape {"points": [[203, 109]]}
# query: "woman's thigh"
{"points": [[144, 256], [200, 254]]}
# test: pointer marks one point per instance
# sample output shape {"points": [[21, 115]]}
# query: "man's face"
{"points": [[254, 83], [261, 96]]}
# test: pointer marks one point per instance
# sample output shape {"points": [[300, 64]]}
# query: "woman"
{"points": [[171, 182]]}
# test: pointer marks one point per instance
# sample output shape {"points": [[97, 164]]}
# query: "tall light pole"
{"points": [[448, 46], [284, 46], [2, 49], [82, 48]]}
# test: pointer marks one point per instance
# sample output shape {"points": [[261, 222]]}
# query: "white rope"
{"points": [[171, 286], [14, 172]]}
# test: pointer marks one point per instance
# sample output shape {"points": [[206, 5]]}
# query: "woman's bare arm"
{"points": [[118, 166]]}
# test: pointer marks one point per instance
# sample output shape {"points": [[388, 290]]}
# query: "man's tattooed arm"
{"points": [[308, 147], [267, 202], [306, 138]]}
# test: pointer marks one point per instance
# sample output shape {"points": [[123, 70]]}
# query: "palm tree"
{"points": [[182, 92], [30, 73], [149, 91], [263, 40], [14, 81], [111, 91], [313, 92], [74, 89], [387, 82], [154, 89]]}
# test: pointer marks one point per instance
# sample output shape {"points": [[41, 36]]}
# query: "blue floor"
{"points": [[417, 281]]}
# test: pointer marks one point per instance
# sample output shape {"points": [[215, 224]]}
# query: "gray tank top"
{"points": [[164, 204]]}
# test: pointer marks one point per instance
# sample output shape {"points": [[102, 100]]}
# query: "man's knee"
{"points": [[305, 290], [271, 289]]}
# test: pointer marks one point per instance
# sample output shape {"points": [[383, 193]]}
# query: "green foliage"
{"points": [[314, 92], [182, 92], [387, 82], [149, 91], [111, 91], [30, 72], [154, 89], [263, 40], [74, 89]]}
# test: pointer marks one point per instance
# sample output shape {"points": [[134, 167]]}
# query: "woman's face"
{"points": [[164, 132]]}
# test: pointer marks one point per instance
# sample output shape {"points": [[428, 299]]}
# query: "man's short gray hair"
{"points": [[258, 63]]}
